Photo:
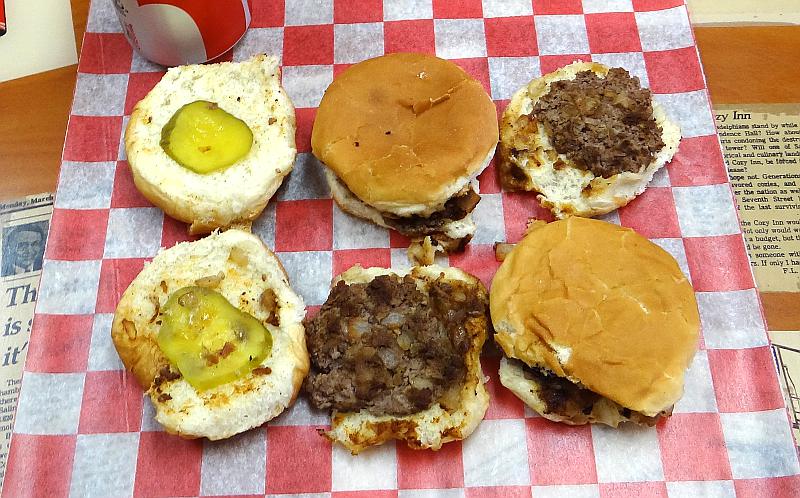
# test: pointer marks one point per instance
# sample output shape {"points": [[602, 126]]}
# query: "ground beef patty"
{"points": [[565, 398], [456, 208], [387, 346], [604, 125]]}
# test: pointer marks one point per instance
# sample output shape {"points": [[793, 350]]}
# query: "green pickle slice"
{"points": [[210, 341], [204, 138]]}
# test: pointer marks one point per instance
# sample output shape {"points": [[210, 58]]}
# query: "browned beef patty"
{"points": [[604, 125], [559, 394], [567, 399], [389, 347], [456, 208]]}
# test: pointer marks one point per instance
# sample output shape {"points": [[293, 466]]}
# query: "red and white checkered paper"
{"points": [[84, 429]]}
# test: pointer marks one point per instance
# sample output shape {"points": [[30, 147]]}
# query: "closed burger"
{"points": [[404, 137], [598, 324]]}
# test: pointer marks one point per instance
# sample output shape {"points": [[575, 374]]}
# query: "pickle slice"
{"points": [[210, 341], [204, 138]]}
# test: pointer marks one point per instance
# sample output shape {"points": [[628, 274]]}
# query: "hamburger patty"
{"points": [[567, 399], [456, 208], [604, 125], [388, 346]]}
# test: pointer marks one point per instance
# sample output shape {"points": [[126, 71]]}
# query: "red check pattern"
{"points": [[59, 343], [95, 408], [298, 448], [112, 402], [510, 36], [57, 451], [705, 459], [430, 469], [575, 464], [613, 32], [411, 36], [183, 457]]}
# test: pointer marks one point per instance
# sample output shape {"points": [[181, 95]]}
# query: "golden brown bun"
{"points": [[433, 427], [248, 268], [564, 188], [602, 306], [405, 131]]}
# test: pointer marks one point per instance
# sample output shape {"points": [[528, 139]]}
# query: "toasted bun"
{"points": [[249, 90], [564, 188], [602, 306], [249, 268], [437, 425], [405, 132]]}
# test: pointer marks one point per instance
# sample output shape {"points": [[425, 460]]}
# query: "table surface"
{"points": [[744, 64]]}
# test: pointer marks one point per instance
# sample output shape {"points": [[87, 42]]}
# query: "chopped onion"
{"points": [[210, 280], [393, 320], [501, 250]]}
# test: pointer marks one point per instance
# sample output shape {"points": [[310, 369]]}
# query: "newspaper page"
{"points": [[25, 225], [762, 150]]}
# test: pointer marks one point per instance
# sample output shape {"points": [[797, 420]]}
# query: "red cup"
{"points": [[175, 32]]}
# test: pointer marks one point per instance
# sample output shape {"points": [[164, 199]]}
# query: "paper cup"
{"points": [[175, 32]]}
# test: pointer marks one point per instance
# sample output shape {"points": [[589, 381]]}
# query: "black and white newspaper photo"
{"points": [[25, 224]]}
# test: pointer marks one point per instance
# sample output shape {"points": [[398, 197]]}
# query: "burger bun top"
{"points": [[602, 306], [405, 132]]}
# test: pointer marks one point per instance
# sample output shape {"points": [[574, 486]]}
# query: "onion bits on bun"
{"points": [[213, 332], [598, 323], [396, 355], [586, 137], [404, 137]]}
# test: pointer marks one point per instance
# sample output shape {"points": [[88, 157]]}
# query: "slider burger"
{"points": [[598, 324], [586, 137], [213, 333], [396, 355], [404, 137]]}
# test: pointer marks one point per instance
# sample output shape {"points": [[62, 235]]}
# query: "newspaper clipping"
{"points": [[25, 225], [762, 150]]}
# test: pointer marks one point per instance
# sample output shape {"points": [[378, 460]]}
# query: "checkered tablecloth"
{"points": [[84, 429]]}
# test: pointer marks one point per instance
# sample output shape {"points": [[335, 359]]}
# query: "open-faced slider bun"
{"points": [[396, 355], [250, 92], [239, 267], [598, 323], [586, 137], [404, 137]]}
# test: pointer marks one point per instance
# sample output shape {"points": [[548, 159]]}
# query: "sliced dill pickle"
{"points": [[204, 138], [210, 341]]}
